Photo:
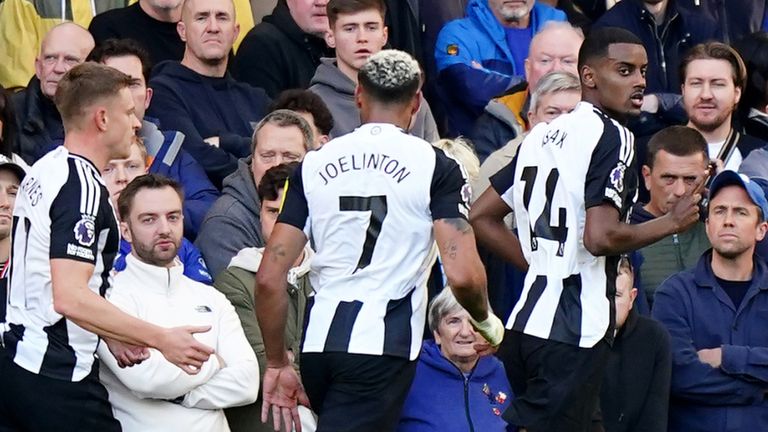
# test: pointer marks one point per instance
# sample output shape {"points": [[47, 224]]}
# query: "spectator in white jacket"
{"points": [[156, 395]]}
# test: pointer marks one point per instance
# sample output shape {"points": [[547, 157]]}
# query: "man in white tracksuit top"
{"points": [[156, 395]]}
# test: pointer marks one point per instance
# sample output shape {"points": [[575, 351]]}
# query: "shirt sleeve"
{"points": [[75, 224], [611, 176], [503, 181], [155, 377], [450, 193], [237, 383], [294, 210]]}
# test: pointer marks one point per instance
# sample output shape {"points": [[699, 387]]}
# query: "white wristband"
{"points": [[492, 329]]}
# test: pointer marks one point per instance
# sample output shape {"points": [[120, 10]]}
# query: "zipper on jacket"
{"points": [[662, 43], [662, 59], [678, 252], [168, 284], [660, 39], [466, 403]]}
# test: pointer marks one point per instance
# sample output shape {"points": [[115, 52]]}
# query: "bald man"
{"points": [[199, 98], [64, 46], [554, 49]]}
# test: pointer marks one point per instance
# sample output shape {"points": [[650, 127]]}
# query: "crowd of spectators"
{"points": [[228, 109]]}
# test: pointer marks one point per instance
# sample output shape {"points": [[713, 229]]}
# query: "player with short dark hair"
{"points": [[374, 202], [571, 186]]}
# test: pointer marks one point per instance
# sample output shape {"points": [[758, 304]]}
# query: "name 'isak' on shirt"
{"points": [[357, 162]]}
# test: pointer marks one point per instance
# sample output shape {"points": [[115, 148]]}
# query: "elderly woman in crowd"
{"points": [[454, 388]]}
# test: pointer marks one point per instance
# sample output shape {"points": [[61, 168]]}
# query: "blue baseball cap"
{"points": [[754, 190]]}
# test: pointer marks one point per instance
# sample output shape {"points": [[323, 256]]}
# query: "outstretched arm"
{"points": [[282, 388], [73, 299], [606, 234], [466, 277], [283, 249]]}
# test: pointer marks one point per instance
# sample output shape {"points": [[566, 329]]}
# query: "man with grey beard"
{"points": [[152, 23], [474, 65]]}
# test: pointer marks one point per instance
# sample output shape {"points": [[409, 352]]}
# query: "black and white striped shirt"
{"points": [[368, 201], [579, 160], [62, 211]]}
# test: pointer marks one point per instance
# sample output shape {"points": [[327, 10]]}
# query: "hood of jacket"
{"points": [[329, 75], [433, 357], [152, 137], [640, 214], [250, 259], [241, 187], [511, 108]]}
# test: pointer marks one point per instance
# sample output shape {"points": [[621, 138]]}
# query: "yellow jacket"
{"points": [[23, 24]]}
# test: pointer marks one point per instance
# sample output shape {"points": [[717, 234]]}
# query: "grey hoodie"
{"points": [[338, 93], [233, 222]]}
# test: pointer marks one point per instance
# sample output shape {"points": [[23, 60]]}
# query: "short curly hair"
{"points": [[390, 77]]}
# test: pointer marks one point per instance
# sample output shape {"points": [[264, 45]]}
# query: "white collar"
{"points": [[161, 280]]}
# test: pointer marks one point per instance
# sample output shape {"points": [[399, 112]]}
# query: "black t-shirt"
{"points": [[736, 290], [160, 39]]}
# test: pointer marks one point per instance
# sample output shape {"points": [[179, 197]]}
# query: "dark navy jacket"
{"points": [[201, 107], [634, 396], [735, 18], [666, 45], [38, 121], [442, 399], [189, 255], [479, 37], [699, 314]]}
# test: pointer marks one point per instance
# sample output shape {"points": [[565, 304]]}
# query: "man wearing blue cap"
{"points": [[717, 316]]}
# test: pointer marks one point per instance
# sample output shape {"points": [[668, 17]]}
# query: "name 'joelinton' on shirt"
{"points": [[364, 161]]}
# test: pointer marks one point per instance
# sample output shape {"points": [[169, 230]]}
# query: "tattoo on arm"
{"points": [[452, 249], [460, 224]]}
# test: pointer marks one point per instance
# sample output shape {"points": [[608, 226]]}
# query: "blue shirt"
{"points": [[519, 40]]}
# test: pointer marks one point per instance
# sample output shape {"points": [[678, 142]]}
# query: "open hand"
{"points": [[283, 393]]}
